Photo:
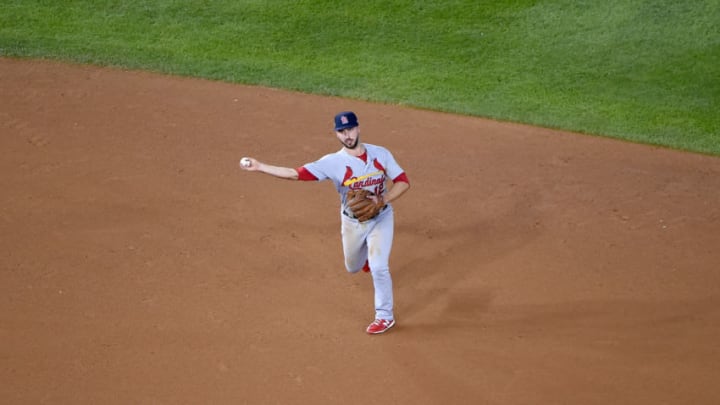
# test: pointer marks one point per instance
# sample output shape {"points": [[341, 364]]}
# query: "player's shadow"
{"points": [[455, 309], [444, 286]]}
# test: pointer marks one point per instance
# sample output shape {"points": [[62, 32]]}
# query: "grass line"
{"points": [[642, 70]]}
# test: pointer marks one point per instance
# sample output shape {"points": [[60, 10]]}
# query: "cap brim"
{"points": [[340, 128]]}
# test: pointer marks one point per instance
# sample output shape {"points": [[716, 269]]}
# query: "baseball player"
{"points": [[360, 173]]}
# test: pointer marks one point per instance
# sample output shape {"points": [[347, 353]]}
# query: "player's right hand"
{"points": [[248, 163]]}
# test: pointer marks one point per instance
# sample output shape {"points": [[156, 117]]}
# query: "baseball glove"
{"points": [[362, 206]]}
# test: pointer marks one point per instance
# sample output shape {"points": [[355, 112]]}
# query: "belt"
{"points": [[352, 216]]}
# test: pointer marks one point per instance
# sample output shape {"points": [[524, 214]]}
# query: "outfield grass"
{"points": [[642, 70]]}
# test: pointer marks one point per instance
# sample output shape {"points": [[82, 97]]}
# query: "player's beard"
{"points": [[354, 145]]}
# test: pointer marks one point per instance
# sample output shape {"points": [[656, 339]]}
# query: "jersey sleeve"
{"points": [[392, 168], [401, 178], [305, 174], [319, 169]]}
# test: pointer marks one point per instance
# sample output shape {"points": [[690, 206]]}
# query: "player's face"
{"points": [[349, 137]]}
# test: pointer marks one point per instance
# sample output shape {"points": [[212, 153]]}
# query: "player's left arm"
{"points": [[399, 183], [399, 186]]}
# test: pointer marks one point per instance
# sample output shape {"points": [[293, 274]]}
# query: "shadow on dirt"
{"points": [[442, 277]]}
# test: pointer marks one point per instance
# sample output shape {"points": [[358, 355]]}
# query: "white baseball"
{"points": [[245, 162]]}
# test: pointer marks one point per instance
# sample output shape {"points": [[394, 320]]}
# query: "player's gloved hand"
{"points": [[364, 204]]}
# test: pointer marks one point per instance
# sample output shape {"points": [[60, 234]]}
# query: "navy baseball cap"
{"points": [[345, 119]]}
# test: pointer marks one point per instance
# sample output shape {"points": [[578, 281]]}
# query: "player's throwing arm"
{"points": [[253, 165]]}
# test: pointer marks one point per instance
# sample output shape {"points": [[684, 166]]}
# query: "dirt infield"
{"points": [[139, 265]]}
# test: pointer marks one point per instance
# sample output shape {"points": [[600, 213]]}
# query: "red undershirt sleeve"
{"points": [[304, 174], [402, 177]]}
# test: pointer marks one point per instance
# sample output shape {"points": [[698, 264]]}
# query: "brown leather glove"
{"points": [[362, 205]]}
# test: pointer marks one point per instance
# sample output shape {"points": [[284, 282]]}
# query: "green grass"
{"points": [[643, 70]]}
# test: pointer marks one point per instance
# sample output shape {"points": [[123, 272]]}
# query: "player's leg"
{"points": [[379, 242], [355, 248]]}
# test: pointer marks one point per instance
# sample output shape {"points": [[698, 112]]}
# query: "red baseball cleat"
{"points": [[380, 326]]}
